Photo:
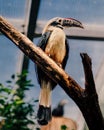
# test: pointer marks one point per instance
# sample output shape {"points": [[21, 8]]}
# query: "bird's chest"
{"points": [[56, 46]]}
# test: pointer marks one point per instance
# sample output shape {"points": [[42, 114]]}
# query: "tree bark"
{"points": [[86, 99]]}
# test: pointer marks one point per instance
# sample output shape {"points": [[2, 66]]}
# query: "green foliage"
{"points": [[63, 127], [16, 114]]}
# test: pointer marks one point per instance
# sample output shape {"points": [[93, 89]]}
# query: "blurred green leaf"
{"points": [[36, 100], [19, 102], [13, 107], [13, 76], [8, 81], [2, 101], [63, 127]]}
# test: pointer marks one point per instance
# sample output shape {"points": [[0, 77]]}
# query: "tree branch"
{"points": [[89, 104], [86, 99], [89, 80]]}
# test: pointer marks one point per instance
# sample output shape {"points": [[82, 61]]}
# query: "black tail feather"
{"points": [[44, 115]]}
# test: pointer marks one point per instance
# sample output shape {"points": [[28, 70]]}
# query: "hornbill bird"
{"points": [[54, 43]]}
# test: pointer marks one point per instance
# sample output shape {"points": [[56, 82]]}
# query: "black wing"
{"points": [[43, 40], [42, 44], [67, 54]]}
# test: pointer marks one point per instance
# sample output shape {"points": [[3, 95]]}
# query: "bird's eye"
{"points": [[59, 20]]}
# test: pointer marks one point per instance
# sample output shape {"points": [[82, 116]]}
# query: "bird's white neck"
{"points": [[51, 28]]}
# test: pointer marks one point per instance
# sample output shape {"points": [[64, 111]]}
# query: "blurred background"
{"points": [[29, 17]]}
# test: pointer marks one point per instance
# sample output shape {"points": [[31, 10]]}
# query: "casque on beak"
{"points": [[70, 22]]}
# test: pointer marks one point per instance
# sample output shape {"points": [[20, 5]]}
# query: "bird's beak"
{"points": [[70, 22]]}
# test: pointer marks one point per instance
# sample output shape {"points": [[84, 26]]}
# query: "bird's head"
{"points": [[63, 23]]}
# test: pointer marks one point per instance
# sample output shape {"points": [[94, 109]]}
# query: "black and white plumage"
{"points": [[54, 43]]}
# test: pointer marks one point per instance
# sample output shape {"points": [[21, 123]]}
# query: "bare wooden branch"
{"points": [[90, 104], [89, 80], [87, 100]]}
